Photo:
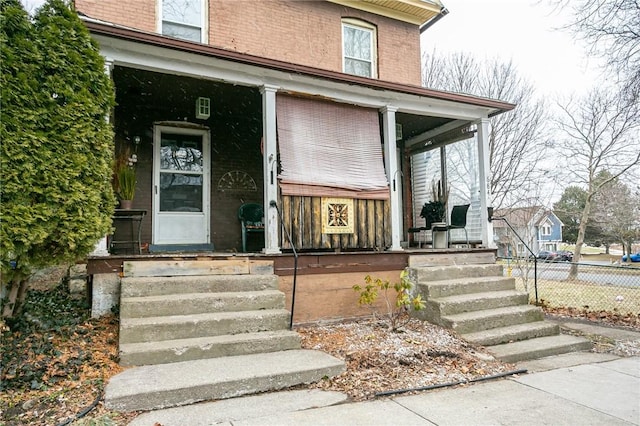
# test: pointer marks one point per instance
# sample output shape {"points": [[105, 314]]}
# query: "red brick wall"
{"points": [[301, 32], [140, 14], [310, 33], [330, 297]]}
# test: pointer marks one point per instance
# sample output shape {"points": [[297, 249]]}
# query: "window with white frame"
{"points": [[358, 48], [184, 19], [546, 229]]}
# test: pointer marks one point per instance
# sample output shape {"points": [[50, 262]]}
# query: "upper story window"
{"points": [[358, 48], [184, 19], [546, 229]]}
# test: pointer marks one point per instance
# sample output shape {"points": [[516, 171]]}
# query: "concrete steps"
{"points": [[513, 333], [462, 286], [485, 308], [196, 303], [539, 347], [199, 330], [155, 286], [176, 350], [168, 385], [475, 301], [470, 322], [146, 329]]}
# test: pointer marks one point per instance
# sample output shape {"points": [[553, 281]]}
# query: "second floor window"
{"points": [[183, 19], [546, 229], [358, 48]]}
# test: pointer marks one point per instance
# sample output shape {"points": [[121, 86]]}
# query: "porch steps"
{"points": [[176, 350], [540, 347], [215, 330], [153, 387], [171, 327], [196, 303], [470, 322], [484, 307]]}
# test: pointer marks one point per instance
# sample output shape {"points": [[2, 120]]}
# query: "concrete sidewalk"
{"points": [[598, 391]]}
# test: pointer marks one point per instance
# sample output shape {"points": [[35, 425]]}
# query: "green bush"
{"points": [[397, 305], [56, 199]]}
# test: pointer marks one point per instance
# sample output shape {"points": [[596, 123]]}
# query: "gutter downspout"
{"points": [[432, 21]]}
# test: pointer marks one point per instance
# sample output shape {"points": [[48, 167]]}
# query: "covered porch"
{"points": [[198, 163]]}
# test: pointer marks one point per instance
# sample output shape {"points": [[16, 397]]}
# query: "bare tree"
{"points": [[618, 214], [612, 30], [601, 133], [516, 141]]}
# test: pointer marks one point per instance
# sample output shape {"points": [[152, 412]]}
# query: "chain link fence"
{"points": [[593, 287]]}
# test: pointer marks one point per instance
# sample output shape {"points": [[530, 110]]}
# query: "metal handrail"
{"points": [[295, 261], [535, 258]]}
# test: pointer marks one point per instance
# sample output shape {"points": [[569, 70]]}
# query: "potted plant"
{"points": [[125, 178], [435, 211]]}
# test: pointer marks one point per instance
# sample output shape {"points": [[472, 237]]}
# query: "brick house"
{"points": [[312, 109]]}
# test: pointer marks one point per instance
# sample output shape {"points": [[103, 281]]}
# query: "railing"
{"points": [[535, 259], [295, 261]]}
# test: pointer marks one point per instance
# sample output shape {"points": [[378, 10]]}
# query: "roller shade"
{"points": [[329, 149]]}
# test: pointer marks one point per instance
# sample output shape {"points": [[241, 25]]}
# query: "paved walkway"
{"points": [[571, 389]]}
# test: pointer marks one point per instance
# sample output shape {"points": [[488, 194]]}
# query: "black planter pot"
{"points": [[432, 212]]}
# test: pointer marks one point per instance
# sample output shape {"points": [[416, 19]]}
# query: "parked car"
{"points": [[635, 257], [564, 256], [546, 255]]}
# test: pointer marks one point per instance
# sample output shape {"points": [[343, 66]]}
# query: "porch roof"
{"points": [[490, 107]]}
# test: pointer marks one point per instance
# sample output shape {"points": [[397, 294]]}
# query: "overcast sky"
{"points": [[522, 30]]}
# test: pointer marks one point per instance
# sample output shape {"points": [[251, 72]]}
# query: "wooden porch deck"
{"points": [[308, 262]]}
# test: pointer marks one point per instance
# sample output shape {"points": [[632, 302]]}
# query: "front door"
{"points": [[181, 187]]}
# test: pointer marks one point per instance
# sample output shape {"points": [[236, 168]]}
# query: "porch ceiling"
{"points": [[154, 91], [136, 49], [420, 111]]}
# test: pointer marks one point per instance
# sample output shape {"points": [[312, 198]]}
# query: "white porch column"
{"points": [[101, 248], [270, 169], [391, 164], [484, 174]]}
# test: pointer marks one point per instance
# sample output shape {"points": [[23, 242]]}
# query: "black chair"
{"points": [[250, 216], [458, 221]]}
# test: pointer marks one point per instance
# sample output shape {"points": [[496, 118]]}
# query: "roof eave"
{"points": [[119, 32], [416, 12]]}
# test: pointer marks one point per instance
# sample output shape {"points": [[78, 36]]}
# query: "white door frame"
{"points": [[182, 228]]}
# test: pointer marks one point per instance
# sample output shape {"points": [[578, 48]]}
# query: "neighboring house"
{"points": [[538, 227], [311, 106]]}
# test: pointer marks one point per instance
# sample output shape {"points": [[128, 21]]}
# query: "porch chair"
{"points": [[250, 216], [458, 221]]}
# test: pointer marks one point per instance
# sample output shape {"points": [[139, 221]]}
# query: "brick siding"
{"points": [[300, 32]]}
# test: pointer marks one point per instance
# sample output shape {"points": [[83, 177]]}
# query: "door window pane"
{"points": [[180, 192], [181, 152]]}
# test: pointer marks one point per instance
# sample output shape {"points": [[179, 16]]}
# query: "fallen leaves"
{"points": [[46, 384], [379, 360], [628, 320]]}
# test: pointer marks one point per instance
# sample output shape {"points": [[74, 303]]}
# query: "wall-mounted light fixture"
{"points": [[203, 108]]}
